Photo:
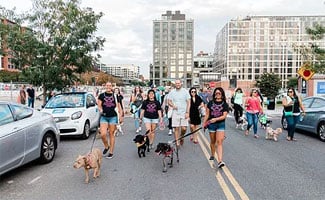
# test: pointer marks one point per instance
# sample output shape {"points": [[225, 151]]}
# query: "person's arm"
{"points": [[120, 112], [100, 106], [188, 105]]}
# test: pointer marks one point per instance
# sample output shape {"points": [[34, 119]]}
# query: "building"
{"points": [[202, 69], [125, 71], [5, 60], [173, 42], [246, 48]]}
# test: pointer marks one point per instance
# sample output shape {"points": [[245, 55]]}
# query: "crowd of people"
{"points": [[181, 108]]}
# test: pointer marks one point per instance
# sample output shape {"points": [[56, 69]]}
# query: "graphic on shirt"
{"points": [[151, 107], [216, 110], [109, 101]]}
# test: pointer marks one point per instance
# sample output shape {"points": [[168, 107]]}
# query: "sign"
{"points": [[321, 88], [305, 72], [303, 86]]}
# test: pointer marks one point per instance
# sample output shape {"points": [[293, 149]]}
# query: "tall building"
{"points": [[173, 42], [202, 69], [246, 48]]}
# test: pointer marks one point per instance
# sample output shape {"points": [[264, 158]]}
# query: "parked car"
{"points": [[76, 113], [26, 134], [314, 120]]}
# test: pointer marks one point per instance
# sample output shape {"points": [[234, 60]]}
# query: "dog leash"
{"points": [[92, 145], [187, 134]]}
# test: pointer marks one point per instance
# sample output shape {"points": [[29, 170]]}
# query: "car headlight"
{"points": [[76, 115]]}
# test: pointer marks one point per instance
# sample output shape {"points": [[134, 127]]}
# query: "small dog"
{"points": [[142, 142], [242, 123], [92, 160], [272, 134], [167, 150]]}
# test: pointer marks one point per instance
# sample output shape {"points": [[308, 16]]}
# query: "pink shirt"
{"points": [[253, 105]]}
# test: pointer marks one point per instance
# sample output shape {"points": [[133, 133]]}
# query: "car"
{"points": [[26, 135], [314, 120], [76, 113]]}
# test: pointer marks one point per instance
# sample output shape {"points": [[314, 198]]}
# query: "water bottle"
{"points": [[301, 118]]}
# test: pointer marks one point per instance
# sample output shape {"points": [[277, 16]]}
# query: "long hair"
{"points": [[223, 96], [154, 94], [294, 91], [134, 91]]}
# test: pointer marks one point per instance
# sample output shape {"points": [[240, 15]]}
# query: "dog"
{"points": [[167, 151], [92, 160], [142, 142], [242, 123], [272, 134], [265, 121]]}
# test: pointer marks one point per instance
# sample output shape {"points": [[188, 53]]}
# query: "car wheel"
{"points": [[284, 123], [47, 148], [321, 131], [86, 132]]}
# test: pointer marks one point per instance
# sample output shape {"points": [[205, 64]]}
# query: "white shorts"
{"points": [[179, 120]]}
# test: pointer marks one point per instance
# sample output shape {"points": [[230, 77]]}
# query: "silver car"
{"points": [[314, 120], [26, 134]]}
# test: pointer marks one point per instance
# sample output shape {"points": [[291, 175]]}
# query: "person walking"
{"points": [[151, 114], [253, 109], [214, 121], [107, 104], [179, 101], [22, 95], [135, 104], [238, 105], [195, 118], [31, 96], [292, 105], [168, 111], [119, 98]]}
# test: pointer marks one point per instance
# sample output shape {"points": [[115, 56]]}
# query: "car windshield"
{"points": [[66, 101]]}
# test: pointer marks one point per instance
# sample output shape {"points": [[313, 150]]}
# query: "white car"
{"points": [[75, 113]]}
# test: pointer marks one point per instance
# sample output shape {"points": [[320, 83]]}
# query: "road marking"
{"points": [[34, 180], [219, 178], [227, 172]]}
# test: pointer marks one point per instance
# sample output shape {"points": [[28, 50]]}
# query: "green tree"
{"points": [[58, 42], [312, 54], [292, 82], [269, 84]]}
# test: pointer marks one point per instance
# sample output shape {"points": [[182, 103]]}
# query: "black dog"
{"points": [[142, 142], [167, 150]]}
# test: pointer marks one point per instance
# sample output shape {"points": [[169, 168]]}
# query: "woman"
{"points": [[22, 95], [135, 104], [107, 104], [293, 104], [151, 114], [214, 121], [195, 119], [119, 98], [238, 105], [253, 108]]}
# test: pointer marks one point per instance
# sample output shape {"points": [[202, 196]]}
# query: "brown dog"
{"points": [[92, 160], [272, 134]]}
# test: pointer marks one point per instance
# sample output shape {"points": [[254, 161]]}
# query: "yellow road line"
{"points": [[219, 178], [227, 172]]}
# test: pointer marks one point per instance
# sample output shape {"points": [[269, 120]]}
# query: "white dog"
{"points": [[272, 134]]}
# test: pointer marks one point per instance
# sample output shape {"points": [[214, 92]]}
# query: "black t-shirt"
{"points": [[108, 104], [31, 92], [217, 109], [151, 109]]}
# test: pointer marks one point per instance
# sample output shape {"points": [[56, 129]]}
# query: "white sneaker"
{"points": [[170, 132], [140, 129]]}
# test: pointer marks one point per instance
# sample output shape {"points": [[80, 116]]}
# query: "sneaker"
{"points": [[237, 125], [140, 129], [221, 164], [150, 146], [256, 136], [105, 151], [170, 132], [110, 156], [211, 158], [137, 131]]}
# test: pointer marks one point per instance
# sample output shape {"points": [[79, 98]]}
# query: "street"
{"points": [[255, 169]]}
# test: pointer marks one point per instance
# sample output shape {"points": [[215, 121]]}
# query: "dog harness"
{"points": [[140, 144], [89, 162]]}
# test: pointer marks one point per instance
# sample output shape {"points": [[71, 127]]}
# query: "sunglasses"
{"points": [[218, 93], [254, 92], [193, 91], [290, 91]]}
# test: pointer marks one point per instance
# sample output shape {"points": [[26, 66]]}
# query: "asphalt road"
{"points": [[255, 169]]}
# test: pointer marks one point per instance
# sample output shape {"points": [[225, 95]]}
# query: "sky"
{"points": [[127, 24]]}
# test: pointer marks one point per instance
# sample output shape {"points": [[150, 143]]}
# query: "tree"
{"points": [[292, 82], [269, 84], [312, 54], [57, 43]]}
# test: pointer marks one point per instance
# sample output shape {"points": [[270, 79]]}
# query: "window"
{"points": [[21, 112], [5, 115]]}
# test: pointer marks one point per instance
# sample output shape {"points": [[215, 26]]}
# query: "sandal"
{"points": [[246, 132], [191, 138], [294, 139], [288, 138]]}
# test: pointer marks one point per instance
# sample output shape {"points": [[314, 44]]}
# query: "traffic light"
{"points": [[305, 73]]}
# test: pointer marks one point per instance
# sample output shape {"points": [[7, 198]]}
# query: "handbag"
{"points": [[288, 113]]}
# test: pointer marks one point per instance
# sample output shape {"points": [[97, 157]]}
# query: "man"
{"points": [[31, 96], [107, 104], [179, 101]]}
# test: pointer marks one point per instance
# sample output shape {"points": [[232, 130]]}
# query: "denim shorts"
{"points": [[108, 120], [151, 121], [218, 126]]}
